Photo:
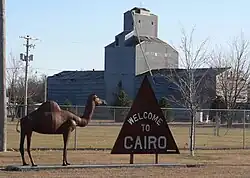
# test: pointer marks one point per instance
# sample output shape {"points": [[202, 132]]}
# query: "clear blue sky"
{"points": [[73, 33]]}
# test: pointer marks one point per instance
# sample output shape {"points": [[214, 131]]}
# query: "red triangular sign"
{"points": [[145, 130]]}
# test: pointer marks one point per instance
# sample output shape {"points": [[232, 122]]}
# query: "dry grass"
{"points": [[220, 163], [105, 136]]}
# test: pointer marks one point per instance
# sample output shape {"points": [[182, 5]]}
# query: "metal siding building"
{"points": [[75, 86], [134, 51], [164, 88], [125, 62], [119, 66]]}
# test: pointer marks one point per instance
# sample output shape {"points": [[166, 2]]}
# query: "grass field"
{"points": [[226, 163], [105, 136]]}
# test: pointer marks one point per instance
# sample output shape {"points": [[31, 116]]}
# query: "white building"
{"points": [[231, 84]]}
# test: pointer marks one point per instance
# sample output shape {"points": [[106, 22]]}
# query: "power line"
{"points": [[140, 45], [27, 58]]}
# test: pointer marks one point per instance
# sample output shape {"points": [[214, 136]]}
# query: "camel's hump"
{"points": [[50, 106]]}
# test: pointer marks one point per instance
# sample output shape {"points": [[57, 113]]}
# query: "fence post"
{"points": [[75, 139], [244, 128], [165, 113], [217, 122], [114, 114]]}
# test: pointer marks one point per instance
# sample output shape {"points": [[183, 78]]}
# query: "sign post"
{"points": [[145, 130]]}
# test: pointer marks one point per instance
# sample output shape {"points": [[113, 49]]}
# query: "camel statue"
{"points": [[49, 118]]}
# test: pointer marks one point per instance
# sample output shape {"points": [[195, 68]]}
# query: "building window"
{"points": [[116, 41], [152, 23], [139, 21]]}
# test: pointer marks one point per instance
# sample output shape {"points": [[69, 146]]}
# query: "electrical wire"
{"points": [[140, 45]]}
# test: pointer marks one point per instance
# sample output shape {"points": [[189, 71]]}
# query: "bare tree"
{"points": [[35, 87], [188, 80], [15, 80], [232, 84], [14, 71]]}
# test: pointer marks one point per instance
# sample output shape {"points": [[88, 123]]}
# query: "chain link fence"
{"points": [[214, 129]]}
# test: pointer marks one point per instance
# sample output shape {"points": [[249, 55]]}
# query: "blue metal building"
{"points": [[75, 86], [125, 62], [134, 51]]}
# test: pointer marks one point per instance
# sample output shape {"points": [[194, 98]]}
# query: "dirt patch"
{"points": [[207, 172], [104, 157], [220, 163]]}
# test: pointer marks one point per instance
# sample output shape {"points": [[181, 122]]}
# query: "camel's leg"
{"points": [[21, 147], [65, 143], [29, 135]]}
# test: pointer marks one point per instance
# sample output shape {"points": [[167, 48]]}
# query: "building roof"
{"points": [[66, 75], [112, 44], [79, 74], [134, 40], [199, 71], [139, 8]]}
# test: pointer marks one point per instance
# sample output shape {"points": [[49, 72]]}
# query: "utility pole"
{"points": [[3, 108], [26, 58]]}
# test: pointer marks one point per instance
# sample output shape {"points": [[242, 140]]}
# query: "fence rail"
{"points": [[214, 128]]}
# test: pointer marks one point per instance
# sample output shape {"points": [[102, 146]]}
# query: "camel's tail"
{"points": [[17, 126]]}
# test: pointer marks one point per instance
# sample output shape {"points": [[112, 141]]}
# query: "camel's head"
{"points": [[97, 100]]}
